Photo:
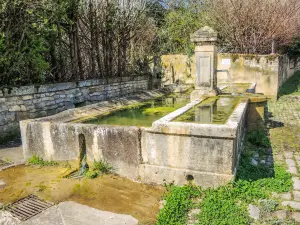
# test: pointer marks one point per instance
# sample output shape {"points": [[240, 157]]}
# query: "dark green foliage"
{"points": [[179, 201], [258, 138], [294, 49], [62, 40], [180, 22], [22, 43]]}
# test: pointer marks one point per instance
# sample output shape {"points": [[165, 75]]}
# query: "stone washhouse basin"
{"points": [[168, 151]]}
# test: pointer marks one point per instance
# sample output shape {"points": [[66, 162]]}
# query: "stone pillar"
{"points": [[205, 40]]}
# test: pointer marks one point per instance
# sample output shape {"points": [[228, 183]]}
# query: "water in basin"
{"points": [[214, 110], [144, 114]]}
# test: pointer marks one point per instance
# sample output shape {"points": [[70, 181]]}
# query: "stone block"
{"points": [[254, 212], [23, 108], [296, 184], [27, 97], [293, 170], [284, 196], [288, 155], [290, 162], [296, 195], [15, 108], [296, 216], [281, 214], [292, 204]]}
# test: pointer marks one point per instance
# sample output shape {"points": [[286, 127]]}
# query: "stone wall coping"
{"points": [[228, 130], [46, 88], [76, 115]]}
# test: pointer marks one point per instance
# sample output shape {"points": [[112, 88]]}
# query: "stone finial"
{"points": [[204, 34]]}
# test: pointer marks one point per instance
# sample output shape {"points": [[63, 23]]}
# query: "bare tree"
{"points": [[254, 26]]}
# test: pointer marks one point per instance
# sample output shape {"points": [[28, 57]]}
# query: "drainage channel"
{"points": [[28, 207]]}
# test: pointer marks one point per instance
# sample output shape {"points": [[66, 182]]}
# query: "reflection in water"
{"points": [[211, 111], [204, 114]]}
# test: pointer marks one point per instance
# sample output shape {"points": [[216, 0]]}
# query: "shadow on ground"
{"points": [[257, 160], [291, 86]]}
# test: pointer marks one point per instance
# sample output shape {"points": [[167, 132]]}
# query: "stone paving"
{"points": [[285, 141], [71, 213], [286, 110]]}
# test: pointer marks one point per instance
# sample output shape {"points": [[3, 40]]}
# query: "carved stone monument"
{"points": [[206, 62]]}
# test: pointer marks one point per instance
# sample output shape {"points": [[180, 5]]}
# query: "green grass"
{"points": [[99, 168], [38, 161], [179, 202], [228, 204]]}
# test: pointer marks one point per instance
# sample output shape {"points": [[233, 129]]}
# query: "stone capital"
{"points": [[205, 35]]}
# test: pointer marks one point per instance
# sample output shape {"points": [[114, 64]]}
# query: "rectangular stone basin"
{"points": [[205, 153], [168, 151]]}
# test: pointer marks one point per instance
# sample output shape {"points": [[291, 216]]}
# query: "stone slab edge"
{"points": [[228, 130], [96, 109]]}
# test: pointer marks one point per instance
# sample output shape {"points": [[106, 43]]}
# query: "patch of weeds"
{"points": [[99, 168], [92, 174], [103, 167], [178, 203], [249, 190], [229, 204], [258, 138], [41, 187], [220, 206], [268, 205], [38, 161]]}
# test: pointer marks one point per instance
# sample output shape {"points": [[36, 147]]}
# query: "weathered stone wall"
{"points": [[30, 102], [268, 72], [57, 138]]}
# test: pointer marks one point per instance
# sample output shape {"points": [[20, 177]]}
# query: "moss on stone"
{"points": [[158, 111]]}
